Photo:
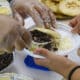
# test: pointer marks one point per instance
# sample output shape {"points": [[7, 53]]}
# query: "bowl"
{"points": [[65, 31], [6, 60], [71, 40]]}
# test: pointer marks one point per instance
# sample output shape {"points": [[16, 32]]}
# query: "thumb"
{"points": [[42, 62], [43, 52], [18, 17]]}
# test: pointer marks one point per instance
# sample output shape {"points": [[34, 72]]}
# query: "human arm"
{"points": [[75, 23], [57, 63], [12, 35]]}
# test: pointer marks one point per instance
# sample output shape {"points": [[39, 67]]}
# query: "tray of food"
{"points": [[63, 9]]}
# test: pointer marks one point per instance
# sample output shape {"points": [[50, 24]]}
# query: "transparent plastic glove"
{"points": [[12, 35], [40, 13], [60, 64]]}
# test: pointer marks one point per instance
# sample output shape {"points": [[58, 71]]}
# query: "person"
{"points": [[13, 35], [60, 64], [40, 13]]}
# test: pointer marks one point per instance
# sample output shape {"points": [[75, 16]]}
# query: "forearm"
{"points": [[63, 65]]}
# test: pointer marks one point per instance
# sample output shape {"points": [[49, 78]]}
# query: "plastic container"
{"points": [[5, 10], [10, 63], [64, 30]]}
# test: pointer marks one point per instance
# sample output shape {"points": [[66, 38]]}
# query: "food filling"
{"points": [[43, 40]]}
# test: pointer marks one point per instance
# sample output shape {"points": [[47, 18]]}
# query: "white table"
{"points": [[18, 66]]}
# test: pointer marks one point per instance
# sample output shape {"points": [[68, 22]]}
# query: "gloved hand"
{"points": [[40, 13], [12, 35], [57, 63]]}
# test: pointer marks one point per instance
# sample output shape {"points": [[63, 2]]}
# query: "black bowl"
{"points": [[5, 60]]}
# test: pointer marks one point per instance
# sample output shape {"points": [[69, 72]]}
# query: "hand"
{"points": [[75, 23], [78, 52], [12, 35], [40, 13], [54, 62]]}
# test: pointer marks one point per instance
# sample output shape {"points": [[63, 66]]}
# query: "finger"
{"points": [[53, 18], [36, 17], [43, 52], [44, 15], [42, 62], [50, 14], [26, 36], [73, 22], [20, 9], [76, 29], [18, 17], [9, 40], [14, 9], [20, 44], [23, 12]]}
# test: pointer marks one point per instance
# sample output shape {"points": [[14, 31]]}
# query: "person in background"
{"points": [[75, 23], [12, 34]]}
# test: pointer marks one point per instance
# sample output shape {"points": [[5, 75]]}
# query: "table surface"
{"points": [[18, 66]]}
